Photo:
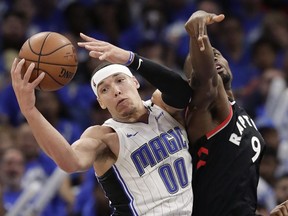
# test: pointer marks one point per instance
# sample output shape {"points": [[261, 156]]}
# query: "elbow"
{"points": [[69, 171], [177, 101], [68, 167]]}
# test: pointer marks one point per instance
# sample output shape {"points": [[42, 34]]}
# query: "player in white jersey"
{"points": [[140, 155], [153, 160]]}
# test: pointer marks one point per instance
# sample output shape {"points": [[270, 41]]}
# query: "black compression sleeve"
{"points": [[176, 91]]}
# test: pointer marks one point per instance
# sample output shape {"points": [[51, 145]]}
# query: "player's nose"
{"points": [[116, 91]]}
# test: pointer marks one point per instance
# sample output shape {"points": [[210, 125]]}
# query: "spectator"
{"points": [[40, 168], [12, 165], [281, 188]]}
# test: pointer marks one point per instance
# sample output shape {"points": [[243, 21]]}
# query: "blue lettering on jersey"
{"points": [[183, 142], [171, 141], [142, 158], [158, 148], [159, 116]]}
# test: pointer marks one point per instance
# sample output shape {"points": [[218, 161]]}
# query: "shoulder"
{"points": [[97, 131], [174, 112], [106, 135]]}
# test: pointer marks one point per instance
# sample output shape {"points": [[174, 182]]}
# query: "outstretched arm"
{"points": [[69, 158], [175, 90], [200, 50], [200, 66]]}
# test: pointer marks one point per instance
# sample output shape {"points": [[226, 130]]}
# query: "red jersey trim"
{"points": [[201, 163], [202, 150], [221, 126]]}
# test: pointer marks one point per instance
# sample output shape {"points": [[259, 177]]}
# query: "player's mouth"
{"points": [[219, 68], [121, 101]]}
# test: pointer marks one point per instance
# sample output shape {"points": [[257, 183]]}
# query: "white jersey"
{"points": [[153, 173]]}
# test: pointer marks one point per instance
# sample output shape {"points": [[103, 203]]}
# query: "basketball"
{"points": [[52, 54]]}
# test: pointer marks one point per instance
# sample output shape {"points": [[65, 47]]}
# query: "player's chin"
{"points": [[125, 110], [222, 73]]}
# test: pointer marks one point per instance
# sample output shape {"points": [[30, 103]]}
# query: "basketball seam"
{"points": [[38, 61], [40, 53], [46, 72], [39, 56], [56, 49], [47, 53], [30, 46], [49, 63]]}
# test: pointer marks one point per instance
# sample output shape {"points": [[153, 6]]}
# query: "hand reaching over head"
{"points": [[105, 51]]}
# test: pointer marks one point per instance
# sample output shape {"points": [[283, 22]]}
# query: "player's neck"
{"points": [[140, 115]]}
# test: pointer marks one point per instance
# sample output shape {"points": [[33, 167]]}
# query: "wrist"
{"points": [[135, 62], [28, 112], [130, 59]]}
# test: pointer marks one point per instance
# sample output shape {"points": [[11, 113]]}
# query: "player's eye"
{"points": [[121, 79], [103, 90]]}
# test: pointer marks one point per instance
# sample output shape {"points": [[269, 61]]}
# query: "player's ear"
{"points": [[101, 104], [136, 82]]}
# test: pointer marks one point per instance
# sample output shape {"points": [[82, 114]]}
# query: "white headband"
{"points": [[107, 71]]}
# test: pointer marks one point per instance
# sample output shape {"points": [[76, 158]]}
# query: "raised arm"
{"points": [[73, 158], [200, 49], [200, 67], [176, 91]]}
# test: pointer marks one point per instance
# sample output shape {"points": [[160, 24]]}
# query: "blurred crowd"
{"points": [[253, 38]]}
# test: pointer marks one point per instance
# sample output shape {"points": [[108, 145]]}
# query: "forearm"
{"points": [[176, 91], [51, 141], [200, 49], [202, 61]]}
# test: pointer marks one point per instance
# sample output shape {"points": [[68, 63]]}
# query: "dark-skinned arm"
{"points": [[201, 58]]}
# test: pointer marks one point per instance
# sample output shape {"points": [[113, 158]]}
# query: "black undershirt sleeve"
{"points": [[176, 91]]}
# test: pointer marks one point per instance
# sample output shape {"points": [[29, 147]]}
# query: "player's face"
{"points": [[118, 93], [222, 67]]}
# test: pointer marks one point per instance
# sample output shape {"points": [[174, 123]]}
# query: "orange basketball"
{"points": [[53, 54]]}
